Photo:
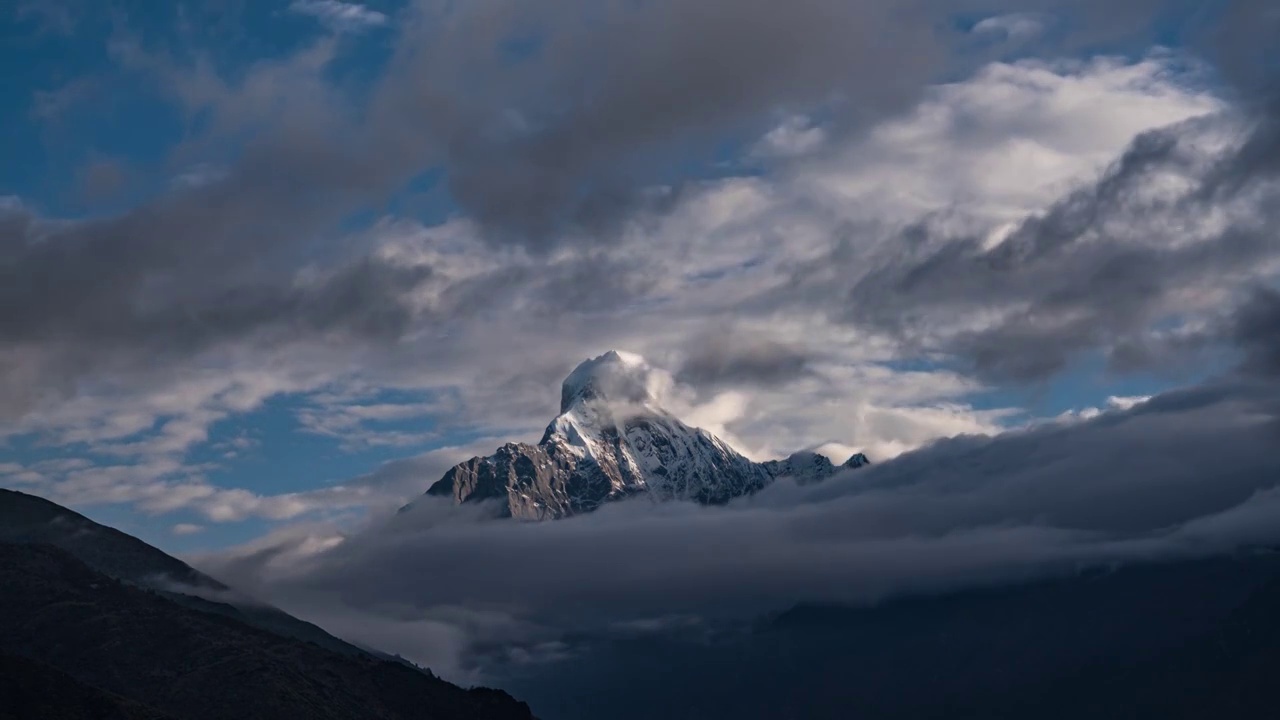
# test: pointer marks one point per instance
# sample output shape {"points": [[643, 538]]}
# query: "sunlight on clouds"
{"points": [[1011, 139], [730, 254], [1114, 403], [797, 135]]}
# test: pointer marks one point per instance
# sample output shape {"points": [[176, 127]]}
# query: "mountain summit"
{"points": [[612, 440], [615, 376]]}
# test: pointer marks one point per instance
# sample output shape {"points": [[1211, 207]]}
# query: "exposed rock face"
{"points": [[805, 467], [810, 467], [534, 484], [857, 461], [610, 441]]}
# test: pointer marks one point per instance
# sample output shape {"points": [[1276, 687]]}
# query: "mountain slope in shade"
{"points": [[29, 519], [612, 440], [1195, 638], [30, 689], [123, 640]]}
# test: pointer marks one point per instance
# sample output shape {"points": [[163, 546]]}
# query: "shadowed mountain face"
{"points": [[1189, 639], [30, 519], [807, 467], [30, 689], [120, 640], [612, 440], [96, 611]]}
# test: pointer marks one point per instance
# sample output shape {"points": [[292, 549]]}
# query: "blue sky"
{"points": [[294, 259]]}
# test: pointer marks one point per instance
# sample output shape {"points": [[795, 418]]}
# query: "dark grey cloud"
{"points": [[607, 98], [610, 97], [545, 118], [1186, 473], [202, 268], [1242, 38], [194, 253], [1110, 267], [1257, 331], [244, 255], [526, 145], [734, 358], [1097, 271]]}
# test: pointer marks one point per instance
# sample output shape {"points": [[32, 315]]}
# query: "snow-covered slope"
{"points": [[613, 440]]}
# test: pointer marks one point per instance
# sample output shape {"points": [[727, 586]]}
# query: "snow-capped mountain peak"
{"points": [[612, 440], [596, 401], [617, 377]]}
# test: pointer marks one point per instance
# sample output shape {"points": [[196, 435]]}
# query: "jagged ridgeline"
{"points": [[612, 440]]}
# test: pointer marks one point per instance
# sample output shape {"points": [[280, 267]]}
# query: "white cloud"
{"points": [[186, 529], [796, 136], [1017, 27], [340, 16], [1114, 403], [494, 331], [165, 485], [1008, 141], [357, 425]]}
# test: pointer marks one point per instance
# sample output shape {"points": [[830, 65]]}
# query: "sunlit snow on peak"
{"points": [[616, 376]]}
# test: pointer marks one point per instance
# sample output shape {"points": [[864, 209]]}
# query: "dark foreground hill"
{"points": [[116, 639], [30, 519], [30, 689]]}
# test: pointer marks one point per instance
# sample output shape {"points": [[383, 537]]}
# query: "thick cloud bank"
{"points": [[1186, 473]]}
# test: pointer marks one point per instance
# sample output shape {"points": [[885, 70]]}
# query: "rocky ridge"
{"points": [[612, 440]]}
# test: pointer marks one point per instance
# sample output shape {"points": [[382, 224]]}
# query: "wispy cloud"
{"points": [[1016, 27], [340, 16]]}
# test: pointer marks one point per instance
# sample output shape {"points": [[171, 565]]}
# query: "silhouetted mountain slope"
{"points": [[1231, 672], [31, 690], [196, 665], [1228, 671], [1159, 638], [30, 519]]}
